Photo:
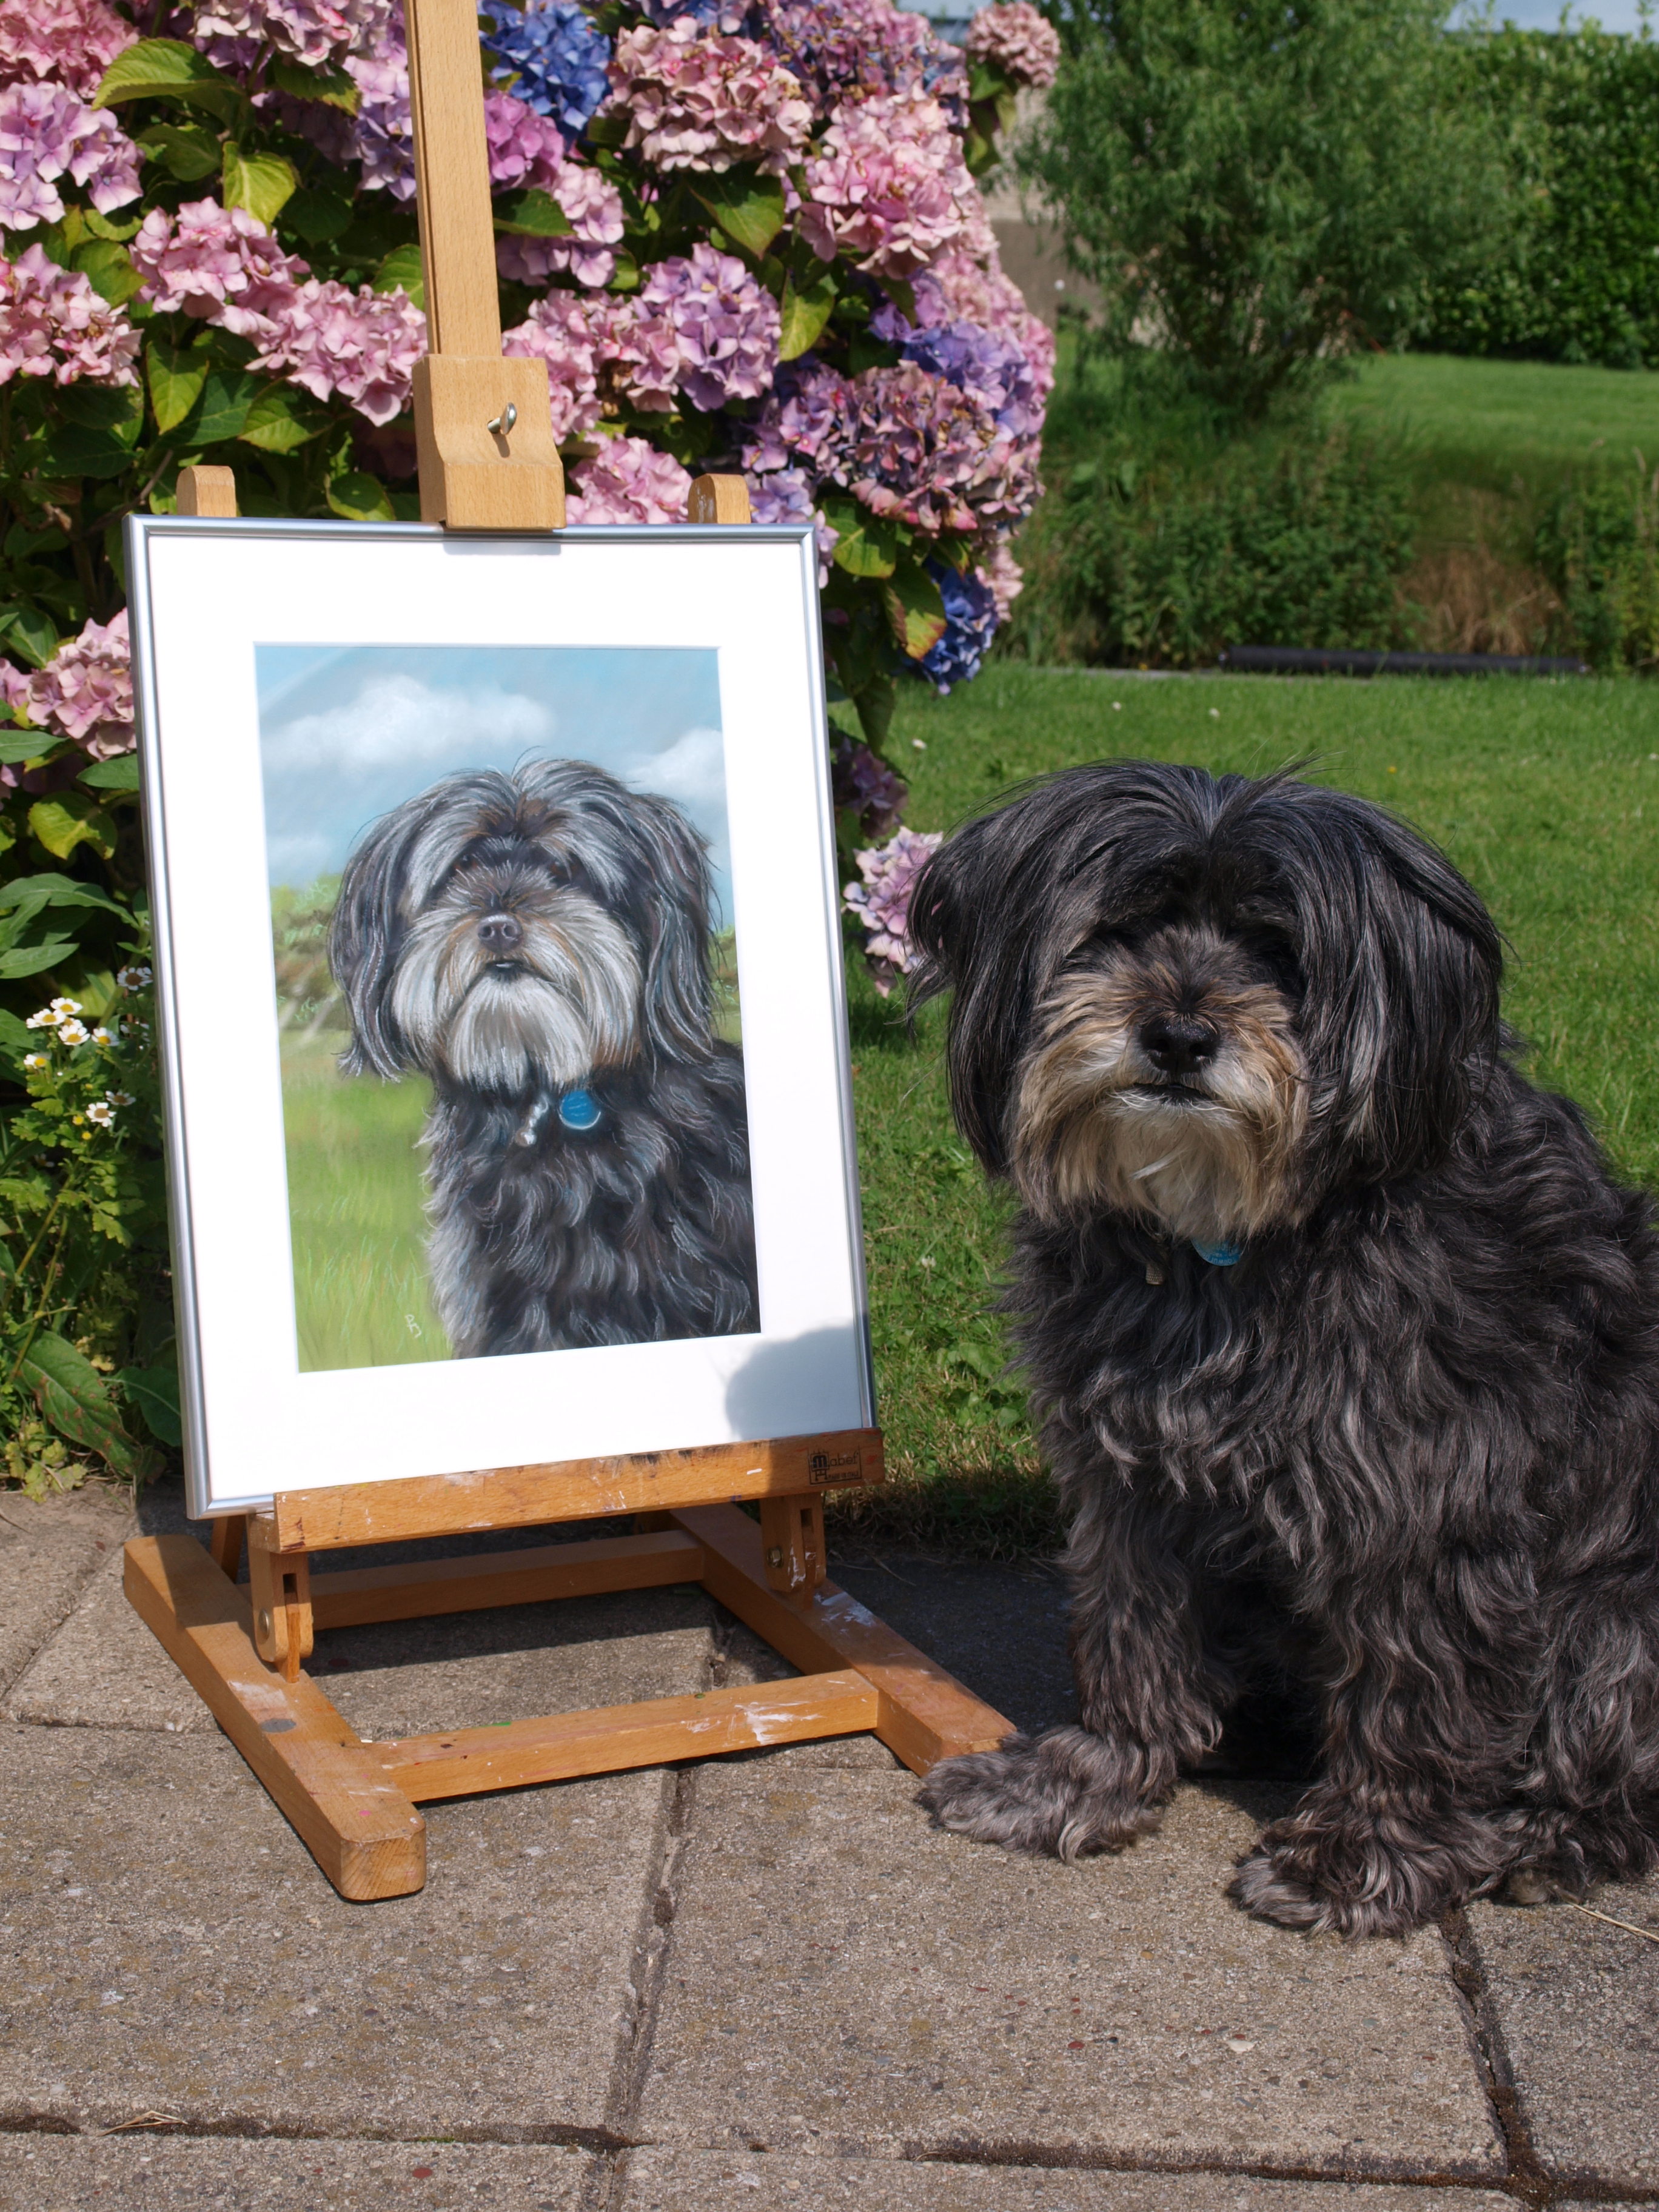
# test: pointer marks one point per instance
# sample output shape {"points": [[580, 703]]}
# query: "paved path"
{"points": [[764, 1983]]}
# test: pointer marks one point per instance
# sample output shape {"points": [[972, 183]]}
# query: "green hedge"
{"points": [[1578, 114]]}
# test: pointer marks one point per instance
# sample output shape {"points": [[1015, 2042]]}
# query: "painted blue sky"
{"points": [[347, 732]]}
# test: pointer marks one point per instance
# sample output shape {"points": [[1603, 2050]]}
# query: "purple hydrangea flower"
{"points": [[726, 323], [971, 623], [559, 61], [990, 364], [865, 783], [882, 901]]}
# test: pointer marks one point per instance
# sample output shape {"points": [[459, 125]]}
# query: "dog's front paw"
{"points": [[1063, 1793], [1325, 1868]]}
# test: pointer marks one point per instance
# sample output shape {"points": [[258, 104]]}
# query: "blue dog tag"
{"points": [[1219, 1255], [579, 1109]]}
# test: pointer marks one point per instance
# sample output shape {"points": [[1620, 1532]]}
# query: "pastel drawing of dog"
{"points": [[1345, 1340], [538, 945]]}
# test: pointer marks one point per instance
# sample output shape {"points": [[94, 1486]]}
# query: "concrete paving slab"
{"points": [[658, 2180], [467, 1669], [162, 2173], [171, 1947], [1577, 2003], [48, 1548], [103, 1669], [844, 1980]]}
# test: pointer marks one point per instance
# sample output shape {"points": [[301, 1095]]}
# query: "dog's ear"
{"points": [[975, 918], [1404, 966], [363, 941], [676, 896]]}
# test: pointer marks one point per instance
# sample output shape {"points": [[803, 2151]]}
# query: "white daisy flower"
{"points": [[133, 978], [62, 1008], [72, 1033], [101, 1036], [119, 1097], [44, 1019], [102, 1114], [37, 1059]]}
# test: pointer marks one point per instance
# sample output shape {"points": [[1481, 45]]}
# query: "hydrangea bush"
{"points": [[742, 235]]}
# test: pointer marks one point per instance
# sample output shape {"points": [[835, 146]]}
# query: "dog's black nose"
{"points": [[501, 932], [1177, 1043]]}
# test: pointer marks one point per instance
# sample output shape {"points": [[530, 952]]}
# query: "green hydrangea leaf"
{"points": [[186, 151], [804, 310], [120, 773], [748, 208], [318, 215], [157, 67], [532, 213], [916, 611], [282, 419], [264, 183], [108, 268], [868, 546], [361, 498], [333, 88], [401, 271], [175, 374], [28, 633], [222, 410], [66, 820]]}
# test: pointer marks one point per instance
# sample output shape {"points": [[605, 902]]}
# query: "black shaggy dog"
{"points": [[1345, 1339], [537, 944]]}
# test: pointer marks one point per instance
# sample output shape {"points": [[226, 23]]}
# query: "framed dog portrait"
{"points": [[498, 962]]}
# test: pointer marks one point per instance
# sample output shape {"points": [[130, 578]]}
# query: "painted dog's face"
{"points": [[506, 934]]}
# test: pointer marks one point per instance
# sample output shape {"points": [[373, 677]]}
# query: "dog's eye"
{"points": [[1272, 950]]}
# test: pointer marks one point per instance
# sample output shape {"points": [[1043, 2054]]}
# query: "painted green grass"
{"points": [[355, 1213], [1547, 794]]}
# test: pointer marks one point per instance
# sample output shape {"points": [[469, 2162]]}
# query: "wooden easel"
{"points": [[488, 461]]}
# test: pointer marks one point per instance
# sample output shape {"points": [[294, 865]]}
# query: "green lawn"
{"points": [[1538, 790], [1492, 417]]}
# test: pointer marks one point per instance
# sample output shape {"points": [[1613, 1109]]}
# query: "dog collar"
{"points": [[579, 1110], [1220, 1255]]}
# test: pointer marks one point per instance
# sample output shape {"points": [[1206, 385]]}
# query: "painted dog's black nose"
{"points": [[501, 933]]}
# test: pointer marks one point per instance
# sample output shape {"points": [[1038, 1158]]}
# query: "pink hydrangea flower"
{"points": [[888, 188], [882, 900], [231, 32], [593, 208], [85, 691], [785, 496], [46, 133], [696, 101], [629, 481], [725, 322], [362, 345], [559, 330], [525, 148], [218, 263], [639, 355], [71, 42], [381, 135], [53, 324], [931, 454], [1003, 577], [1012, 38]]}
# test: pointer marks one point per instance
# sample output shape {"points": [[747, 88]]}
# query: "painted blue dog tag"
{"points": [[1219, 1255], [579, 1109]]}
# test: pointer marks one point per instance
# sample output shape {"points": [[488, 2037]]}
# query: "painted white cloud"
{"points": [[396, 720], [691, 772]]}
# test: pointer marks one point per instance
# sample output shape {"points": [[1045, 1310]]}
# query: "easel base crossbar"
{"points": [[354, 1803]]}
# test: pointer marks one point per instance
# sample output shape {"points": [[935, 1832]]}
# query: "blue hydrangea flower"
{"points": [[971, 623], [556, 56]]}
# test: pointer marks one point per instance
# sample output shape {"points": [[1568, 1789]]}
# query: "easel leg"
{"points": [[279, 1585], [791, 1542], [225, 1545], [359, 1826]]}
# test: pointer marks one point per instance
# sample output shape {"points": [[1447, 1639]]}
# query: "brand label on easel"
{"points": [[828, 1467]]}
